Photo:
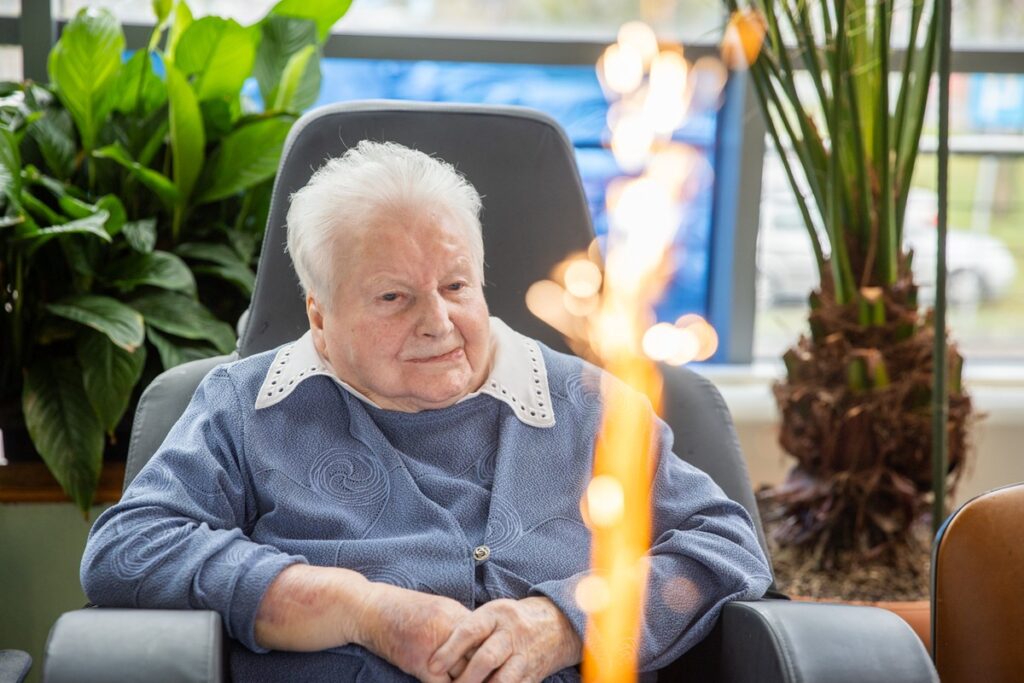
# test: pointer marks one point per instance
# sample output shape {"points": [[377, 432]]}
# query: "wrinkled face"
{"points": [[409, 327]]}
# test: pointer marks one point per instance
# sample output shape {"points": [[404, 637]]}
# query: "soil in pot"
{"points": [[897, 579]]}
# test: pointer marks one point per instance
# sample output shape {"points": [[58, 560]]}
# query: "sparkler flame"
{"points": [[606, 314]]}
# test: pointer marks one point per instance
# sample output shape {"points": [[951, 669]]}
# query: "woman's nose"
{"points": [[435, 320]]}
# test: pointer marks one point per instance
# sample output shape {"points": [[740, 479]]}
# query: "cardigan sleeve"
{"points": [[704, 553], [178, 537]]}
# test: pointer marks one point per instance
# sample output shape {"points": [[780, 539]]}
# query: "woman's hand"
{"points": [[508, 640], [406, 627]]}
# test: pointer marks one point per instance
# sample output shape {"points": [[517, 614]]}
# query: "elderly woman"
{"points": [[397, 492]]}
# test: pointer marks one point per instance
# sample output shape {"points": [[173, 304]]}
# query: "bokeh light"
{"points": [[592, 594], [583, 278], [621, 68], [681, 595], [640, 38], [605, 500]]}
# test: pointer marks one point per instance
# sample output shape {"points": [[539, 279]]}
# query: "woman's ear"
{"points": [[313, 312], [316, 324]]}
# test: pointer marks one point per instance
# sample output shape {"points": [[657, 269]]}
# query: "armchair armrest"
{"points": [[778, 640], [14, 666], [115, 645]]}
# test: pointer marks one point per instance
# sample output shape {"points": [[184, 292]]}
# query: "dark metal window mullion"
{"points": [[38, 34]]}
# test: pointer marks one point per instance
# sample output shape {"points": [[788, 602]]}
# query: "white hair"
{"points": [[356, 189]]}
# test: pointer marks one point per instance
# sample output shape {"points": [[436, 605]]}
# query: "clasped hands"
{"points": [[438, 640]]}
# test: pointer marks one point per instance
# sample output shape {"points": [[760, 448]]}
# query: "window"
{"points": [[11, 62], [687, 20], [11, 68], [985, 246], [988, 24], [572, 96], [987, 166]]}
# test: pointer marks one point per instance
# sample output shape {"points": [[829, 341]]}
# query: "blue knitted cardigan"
{"points": [[235, 495]]}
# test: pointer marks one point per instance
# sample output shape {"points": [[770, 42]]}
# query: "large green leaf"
{"points": [[187, 136], [282, 38], [10, 166], [242, 242], [90, 225], [63, 426], [162, 186], [247, 156], [223, 262], [325, 13], [54, 134], [72, 206], [182, 20], [219, 53], [162, 9], [122, 324], [32, 175], [109, 373], [84, 65], [300, 82], [214, 252], [81, 256], [218, 119], [141, 235], [175, 352], [39, 208], [15, 103], [157, 269], [112, 205], [76, 208], [152, 138], [139, 90], [239, 274], [183, 316]]}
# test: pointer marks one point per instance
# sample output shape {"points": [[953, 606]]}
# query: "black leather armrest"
{"points": [[121, 645], [777, 640]]}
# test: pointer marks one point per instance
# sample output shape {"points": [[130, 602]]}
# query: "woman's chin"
{"points": [[442, 394]]}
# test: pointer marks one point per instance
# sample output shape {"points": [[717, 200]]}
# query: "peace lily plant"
{"points": [[135, 190]]}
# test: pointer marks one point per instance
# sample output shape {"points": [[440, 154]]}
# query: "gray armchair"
{"points": [[534, 215], [14, 666]]}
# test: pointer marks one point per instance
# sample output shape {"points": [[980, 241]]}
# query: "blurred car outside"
{"points": [[980, 267]]}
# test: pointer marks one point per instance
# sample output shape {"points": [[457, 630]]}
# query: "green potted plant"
{"points": [[133, 196], [855, 400]]}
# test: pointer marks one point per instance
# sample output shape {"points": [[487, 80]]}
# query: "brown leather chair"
{"points": [[977, 591]]}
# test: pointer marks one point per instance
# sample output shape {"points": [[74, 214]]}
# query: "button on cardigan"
{"points": [[237, 492]]}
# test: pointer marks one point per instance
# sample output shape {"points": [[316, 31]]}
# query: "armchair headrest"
{"points": [[519, 160]]}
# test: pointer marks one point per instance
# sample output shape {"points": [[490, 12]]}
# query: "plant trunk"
{"points": [[855, 409]]}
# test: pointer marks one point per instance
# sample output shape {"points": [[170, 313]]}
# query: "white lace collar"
{"points": [[518, 376]]}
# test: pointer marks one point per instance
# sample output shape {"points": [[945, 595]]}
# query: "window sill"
{"points": [[31, 482], [996, 388]]}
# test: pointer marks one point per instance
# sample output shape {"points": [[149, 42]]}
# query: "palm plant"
{"points": [[855, 402]]}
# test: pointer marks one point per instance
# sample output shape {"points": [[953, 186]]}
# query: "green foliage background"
{"points": [[134, 194]]}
